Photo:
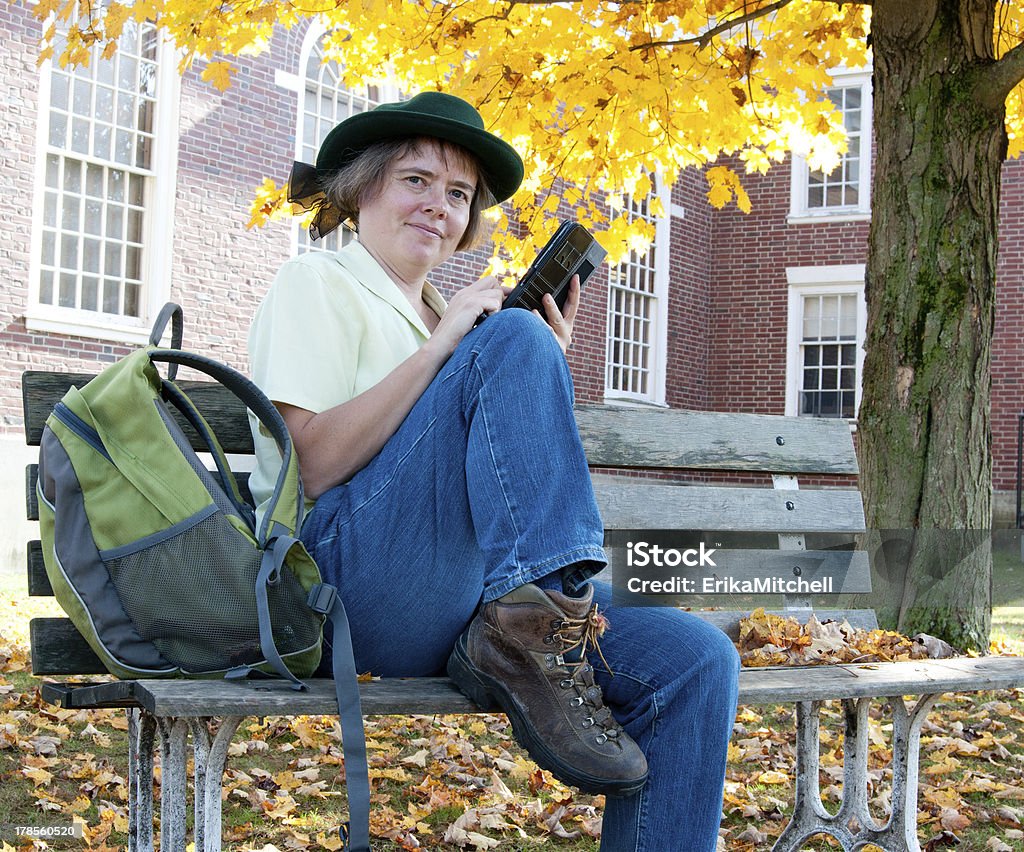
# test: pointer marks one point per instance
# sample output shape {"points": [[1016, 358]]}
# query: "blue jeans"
{"points": [[483, 488]]}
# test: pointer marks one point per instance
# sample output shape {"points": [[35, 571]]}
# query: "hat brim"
{"points": [[502, 166]]}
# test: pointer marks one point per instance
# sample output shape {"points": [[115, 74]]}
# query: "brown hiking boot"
{"points": [[525, 654]]}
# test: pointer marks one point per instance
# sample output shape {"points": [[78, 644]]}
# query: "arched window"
{"points": [[323, 102]]}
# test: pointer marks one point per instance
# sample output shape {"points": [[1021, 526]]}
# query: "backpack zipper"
{"points": [[82, 429]]}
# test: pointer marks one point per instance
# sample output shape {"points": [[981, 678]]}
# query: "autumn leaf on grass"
{"points": [[393, 774], [461, 832], [38, 776], [280, 807], [943, 766], [418, 758], [942, 797], [330, 842]]}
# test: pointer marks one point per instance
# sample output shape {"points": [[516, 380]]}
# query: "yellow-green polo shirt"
{"points": [[331, 326]]}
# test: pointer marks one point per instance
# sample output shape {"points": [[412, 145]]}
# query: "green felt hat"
{"points": [[433, 114]]}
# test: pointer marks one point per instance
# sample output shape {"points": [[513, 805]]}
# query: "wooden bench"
{"points": [[685, 450]]}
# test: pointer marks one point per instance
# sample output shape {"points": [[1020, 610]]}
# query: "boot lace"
{"points": [[576, 636]]}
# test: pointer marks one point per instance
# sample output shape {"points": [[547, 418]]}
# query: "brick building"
{"points": [[128, 185]]}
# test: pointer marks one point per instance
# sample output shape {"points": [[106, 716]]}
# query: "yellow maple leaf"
{"points": [[392, 773], [219, 74], [280, 807], [330, 842], [946, 765]]}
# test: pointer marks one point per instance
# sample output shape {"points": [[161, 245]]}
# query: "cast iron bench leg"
{"points": [[141, 737], [201, 757], [173, 779], [809, 814], [901, 831], [853, 826], [210, 759]]}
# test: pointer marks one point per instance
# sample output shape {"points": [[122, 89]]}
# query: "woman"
{"points": [[453, 506]]}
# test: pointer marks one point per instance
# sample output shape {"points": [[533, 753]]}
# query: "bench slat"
{"points": [[644, 437], [438, 695], [59, 649], [612, 437], [629, 504], [636, 505], [42, 390]]}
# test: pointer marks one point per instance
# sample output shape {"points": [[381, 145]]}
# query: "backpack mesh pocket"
{"points": [[218, 629]]}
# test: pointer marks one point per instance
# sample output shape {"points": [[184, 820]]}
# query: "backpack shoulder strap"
{"points": [[256, 401]]}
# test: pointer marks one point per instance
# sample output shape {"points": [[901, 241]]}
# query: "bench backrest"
{"points": [[654, 470]]}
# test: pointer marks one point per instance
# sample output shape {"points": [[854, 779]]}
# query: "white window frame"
{"points": [[799, 212], [296, 83], [659, 337], [806, 281], [158, 222]]}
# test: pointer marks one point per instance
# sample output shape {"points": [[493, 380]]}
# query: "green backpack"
{"points": [[159, 562]]}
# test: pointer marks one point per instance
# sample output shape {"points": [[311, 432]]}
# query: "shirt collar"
{"points": [[361, 264]]}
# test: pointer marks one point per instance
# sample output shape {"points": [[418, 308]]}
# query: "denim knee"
{"points": [[519, 330], [712, 673]]}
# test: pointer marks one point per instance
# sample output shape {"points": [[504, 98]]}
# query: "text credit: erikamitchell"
{"points": [[676, 568]]}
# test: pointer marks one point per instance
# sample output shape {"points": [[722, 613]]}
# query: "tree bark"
{"points": [[924, 436]]}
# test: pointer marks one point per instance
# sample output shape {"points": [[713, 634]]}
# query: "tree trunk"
{"points": [[924, 437]]}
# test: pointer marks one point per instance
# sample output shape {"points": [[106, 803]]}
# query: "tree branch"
{"points": [[1002, 77], [706, 37]]}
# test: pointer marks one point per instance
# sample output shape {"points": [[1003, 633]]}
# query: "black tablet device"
{"points": [[570, 251]]}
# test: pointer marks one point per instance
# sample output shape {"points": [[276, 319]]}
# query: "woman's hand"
{"points": [[464, 309], [561, 321]]}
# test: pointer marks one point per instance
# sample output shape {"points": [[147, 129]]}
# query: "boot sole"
{"points": [[489, 694]]}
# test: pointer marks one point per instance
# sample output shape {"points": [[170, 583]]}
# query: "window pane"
{"points": [[829, 317], [46, 287], [59, 91], [111, 296], [90, 293], [67, 297]]}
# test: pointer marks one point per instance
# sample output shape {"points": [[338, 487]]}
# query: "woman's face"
{"points": [[417, 220]]}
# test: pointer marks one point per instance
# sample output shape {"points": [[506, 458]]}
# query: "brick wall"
{"points": [[1008, 345], [749, 256], [690, 295]]}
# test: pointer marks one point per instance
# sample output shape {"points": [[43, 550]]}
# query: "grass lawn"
{"points": [[450, 782]]}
